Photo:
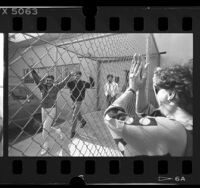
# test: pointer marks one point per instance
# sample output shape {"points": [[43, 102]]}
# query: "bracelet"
{"points": [[131, 91]]}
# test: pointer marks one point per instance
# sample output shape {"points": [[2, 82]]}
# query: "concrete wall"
{"points": [[179, 48]]}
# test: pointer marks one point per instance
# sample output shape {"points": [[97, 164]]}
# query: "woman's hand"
{"points": [[138, 73]]}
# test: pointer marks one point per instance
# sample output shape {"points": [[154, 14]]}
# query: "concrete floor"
{"points": [[92, 140]]}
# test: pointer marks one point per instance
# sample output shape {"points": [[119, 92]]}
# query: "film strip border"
{"points": [[119, 20], [96, 170], [114, 24], [105, 170]]}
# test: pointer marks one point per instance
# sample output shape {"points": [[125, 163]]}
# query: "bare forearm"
{"points": [[141, 100], [67, 79]]}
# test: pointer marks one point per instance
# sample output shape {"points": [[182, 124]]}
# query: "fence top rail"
{"points": [[87, 39]]}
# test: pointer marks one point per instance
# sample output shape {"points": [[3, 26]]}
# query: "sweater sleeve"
{"points": [[37, 79], [126, 102]]}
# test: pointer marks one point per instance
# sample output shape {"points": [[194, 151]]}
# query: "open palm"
{"points": [[138, 73]]}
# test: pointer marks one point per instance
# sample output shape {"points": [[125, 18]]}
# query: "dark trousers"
{"points": [[110, 100]]}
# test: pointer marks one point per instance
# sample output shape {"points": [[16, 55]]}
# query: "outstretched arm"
{"points": [[141, 137], [156, 138], [62, 84], [145, 136], [116, 114], [36, 78], [115, 117]]}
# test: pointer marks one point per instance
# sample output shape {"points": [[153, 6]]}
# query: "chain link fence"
{"points": [[96, 55]]}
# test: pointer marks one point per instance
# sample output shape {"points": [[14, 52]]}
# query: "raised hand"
{"points": [[138, 73], [72, 75]]}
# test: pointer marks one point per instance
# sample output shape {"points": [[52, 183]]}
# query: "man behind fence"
{"points": [[77, 89], [111, 90], [49, 91]]}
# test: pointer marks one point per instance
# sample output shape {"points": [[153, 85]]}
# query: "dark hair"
{"points": [[79, 73], [178, 78], [109, 75], [50, 76]]}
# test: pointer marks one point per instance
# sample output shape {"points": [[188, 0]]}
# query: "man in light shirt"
{"points": [[111, 90]]}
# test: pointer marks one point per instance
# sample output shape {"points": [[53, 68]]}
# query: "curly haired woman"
{"points": [[154, 132]]}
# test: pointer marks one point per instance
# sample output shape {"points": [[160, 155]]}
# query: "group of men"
{"points": [[49, 91]]}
